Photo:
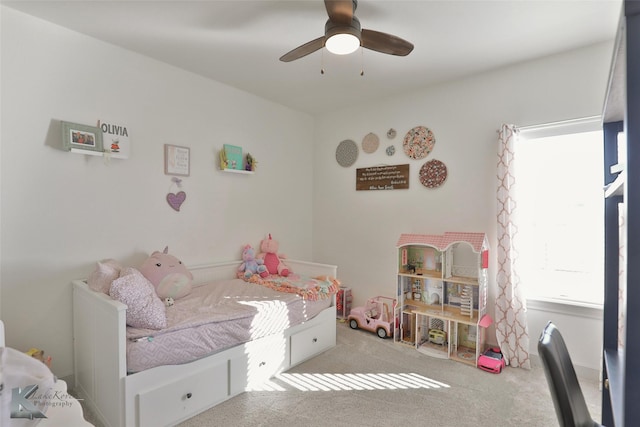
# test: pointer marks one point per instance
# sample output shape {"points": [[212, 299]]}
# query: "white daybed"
{"points": [[166, 395]]}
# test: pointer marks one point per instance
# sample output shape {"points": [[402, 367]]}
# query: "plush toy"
{"points": [[36, 353], [168, 275], [271, 257], [250, 264]]}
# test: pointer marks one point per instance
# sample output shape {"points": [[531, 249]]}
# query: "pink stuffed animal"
{"points": [[167, 274], [271, 257]]}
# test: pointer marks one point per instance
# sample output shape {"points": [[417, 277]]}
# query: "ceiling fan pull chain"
{"points": [[362, 62], [322, 62]]}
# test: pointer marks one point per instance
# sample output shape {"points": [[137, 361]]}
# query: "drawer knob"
{"points": [[189, 395], [315, 340]]}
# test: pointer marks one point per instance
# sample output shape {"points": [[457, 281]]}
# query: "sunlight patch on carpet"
{"points": [[352, 381]]}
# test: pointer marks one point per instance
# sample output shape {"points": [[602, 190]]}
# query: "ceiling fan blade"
{"points": [[340, 11], [385, 43], [303, 50]]}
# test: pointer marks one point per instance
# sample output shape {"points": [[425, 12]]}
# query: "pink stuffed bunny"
{"points": [[271, 257]]}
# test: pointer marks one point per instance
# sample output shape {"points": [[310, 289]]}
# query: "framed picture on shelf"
{"points": [[115, 139], [234, 157], [81, 137], [176, 160]]}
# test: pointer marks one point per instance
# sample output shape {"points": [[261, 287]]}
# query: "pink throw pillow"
{"points": [[144, 309]]}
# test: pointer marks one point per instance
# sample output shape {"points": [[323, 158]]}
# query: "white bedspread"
{"points": [[214, 317]]}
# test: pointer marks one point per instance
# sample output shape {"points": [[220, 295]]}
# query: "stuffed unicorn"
{"points": [[169, 276], [271, 257]]}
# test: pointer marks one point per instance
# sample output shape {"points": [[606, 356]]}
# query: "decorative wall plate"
{"points": [[347, 153], [370, 143], [391, 150], [391, 133], [433, 173], [418, 142]]}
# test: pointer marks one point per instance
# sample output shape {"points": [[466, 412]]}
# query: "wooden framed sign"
{"points": [[394, 177]]}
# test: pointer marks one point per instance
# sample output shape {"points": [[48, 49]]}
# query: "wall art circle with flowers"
{"points": [[418, 142], [433, 174]]}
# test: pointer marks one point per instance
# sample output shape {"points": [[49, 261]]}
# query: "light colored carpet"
{"points": [[367, 381]]}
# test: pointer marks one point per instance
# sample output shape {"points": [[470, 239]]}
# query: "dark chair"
{"points": [[568, 399]]}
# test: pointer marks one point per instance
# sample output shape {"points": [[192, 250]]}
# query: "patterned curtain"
{"points": [[510, 306]]}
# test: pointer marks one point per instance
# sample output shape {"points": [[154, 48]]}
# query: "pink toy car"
{"points": [[491, 360], [376, 316]]}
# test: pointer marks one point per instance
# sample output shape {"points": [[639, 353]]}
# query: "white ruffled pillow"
{"points": [[106, 271], [144, 308]]}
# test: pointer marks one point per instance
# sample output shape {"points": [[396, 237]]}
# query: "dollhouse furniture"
{"points": [[568, 400], [442, 294], [621, 333], [169, 394]]}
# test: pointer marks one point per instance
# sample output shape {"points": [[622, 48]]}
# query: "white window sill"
{"points": [[569, 307]]}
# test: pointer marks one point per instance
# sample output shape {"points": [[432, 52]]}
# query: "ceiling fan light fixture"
{"points": [[344, 35], [342, 39], [342, 44]]}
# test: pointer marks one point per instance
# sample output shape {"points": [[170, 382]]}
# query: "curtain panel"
{"points": [[510, 305]]}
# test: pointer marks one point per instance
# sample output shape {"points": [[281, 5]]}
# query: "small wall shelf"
{"points": [[87, 152], [238, 171]]}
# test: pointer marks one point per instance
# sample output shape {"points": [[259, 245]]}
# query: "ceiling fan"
{"points": [[343, 35]]}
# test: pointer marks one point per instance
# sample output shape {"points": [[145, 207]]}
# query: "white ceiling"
{"points": [[239, 42]]}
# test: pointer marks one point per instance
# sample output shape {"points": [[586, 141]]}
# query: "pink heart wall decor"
{"points": [[176, 200]]}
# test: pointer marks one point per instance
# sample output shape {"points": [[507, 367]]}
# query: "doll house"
{"points": [[442, 294]]}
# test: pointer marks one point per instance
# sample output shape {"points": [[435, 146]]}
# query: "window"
{"points": [[561, 212]]}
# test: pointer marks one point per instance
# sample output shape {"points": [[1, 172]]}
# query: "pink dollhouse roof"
{"points": [[443, 241]]}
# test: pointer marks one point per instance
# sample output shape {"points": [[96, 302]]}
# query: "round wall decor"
{"points": [[370, 143], [391, 133], [391, 150], [418, 142], [433, 173], [347, 153]]}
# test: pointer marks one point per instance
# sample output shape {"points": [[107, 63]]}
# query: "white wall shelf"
{"points": [[238, 171], [87, 152]]}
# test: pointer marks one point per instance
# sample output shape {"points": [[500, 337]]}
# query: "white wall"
{"points": [[61, 212], [358, 230]]}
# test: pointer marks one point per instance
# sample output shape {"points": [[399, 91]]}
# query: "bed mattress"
{"points": [[214, 317]]}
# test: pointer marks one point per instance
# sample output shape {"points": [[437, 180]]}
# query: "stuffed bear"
{"points": [[271, 257], [250, 264], [169, 276]]}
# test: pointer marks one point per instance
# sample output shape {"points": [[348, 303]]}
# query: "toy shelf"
{"points": [[442, 294]]}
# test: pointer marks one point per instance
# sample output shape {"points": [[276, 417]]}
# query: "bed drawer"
{"points": [[184, 397], [260, 360], [312, 341]]}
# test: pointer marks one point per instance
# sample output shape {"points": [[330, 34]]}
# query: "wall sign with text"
{"points": [[394, 177]]}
